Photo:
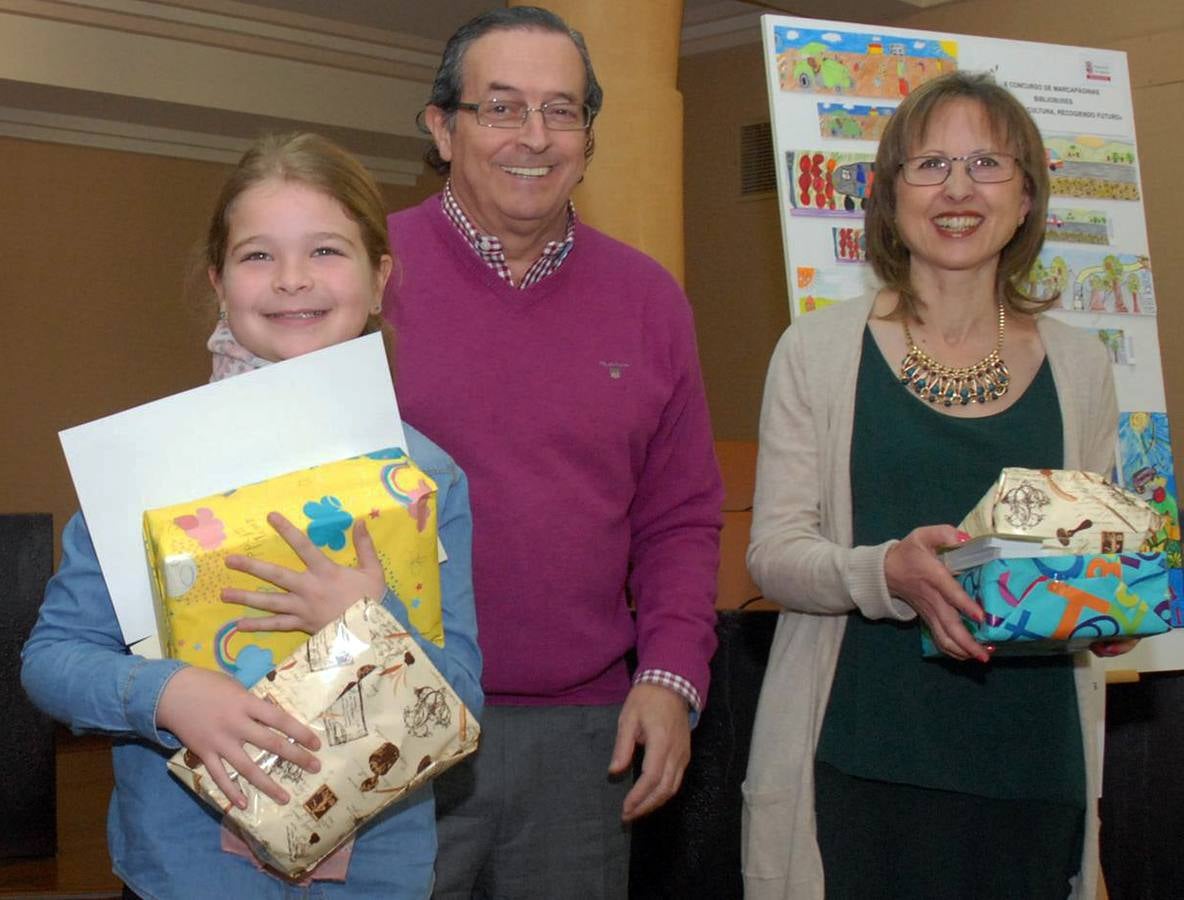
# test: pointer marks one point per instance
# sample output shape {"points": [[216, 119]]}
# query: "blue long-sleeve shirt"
{"points": [[164, 841]]}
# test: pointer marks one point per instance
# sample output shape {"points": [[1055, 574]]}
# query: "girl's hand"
{"points": [[213, 715], [314, 597], [1117, 647], [916, 575]]}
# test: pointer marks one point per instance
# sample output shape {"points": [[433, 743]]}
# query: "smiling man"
{"points": [[559, 368]]}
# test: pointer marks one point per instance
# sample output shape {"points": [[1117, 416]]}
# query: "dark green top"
{"points": [[1008, 729]]}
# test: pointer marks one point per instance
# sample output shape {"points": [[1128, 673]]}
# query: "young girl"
{"points": [[297, 256]]}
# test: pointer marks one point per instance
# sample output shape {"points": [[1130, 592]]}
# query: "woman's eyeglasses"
{"points": [[983, 168]]}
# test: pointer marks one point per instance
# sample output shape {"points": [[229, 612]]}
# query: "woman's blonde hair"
{"points": [[906, 128]]}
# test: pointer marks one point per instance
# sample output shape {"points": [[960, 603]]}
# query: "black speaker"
{"points": [[1143, 789], [27, 788], [690, 848]]}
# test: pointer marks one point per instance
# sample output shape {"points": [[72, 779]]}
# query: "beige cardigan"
{"points": [[801, 557]]}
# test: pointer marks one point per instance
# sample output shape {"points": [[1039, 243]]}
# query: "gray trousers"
{"points": [[534, 815]]}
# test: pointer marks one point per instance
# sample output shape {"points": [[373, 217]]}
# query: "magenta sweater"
{"points": [[576, 408]]}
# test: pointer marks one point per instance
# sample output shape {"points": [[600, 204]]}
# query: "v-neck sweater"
{"points": [[577, 409]]}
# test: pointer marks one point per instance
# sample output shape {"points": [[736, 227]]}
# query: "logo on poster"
{"points": [[1096, 71]]}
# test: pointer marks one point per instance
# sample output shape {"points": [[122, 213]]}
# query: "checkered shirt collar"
{"points": [[489, 246]]}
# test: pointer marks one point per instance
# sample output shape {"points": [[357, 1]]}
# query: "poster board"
{"points": [[833, 86]]}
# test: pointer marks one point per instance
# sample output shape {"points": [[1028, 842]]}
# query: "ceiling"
{"points": [[200, 78], [437, 20]]}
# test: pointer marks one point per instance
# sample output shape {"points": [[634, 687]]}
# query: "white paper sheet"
{"points": [[323, 406]]}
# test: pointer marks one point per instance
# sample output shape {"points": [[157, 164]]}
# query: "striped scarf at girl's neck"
{"points": [[229, 356]]}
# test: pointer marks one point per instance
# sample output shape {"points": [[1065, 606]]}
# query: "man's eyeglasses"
{"points": [[559, 115], [984, 168]]}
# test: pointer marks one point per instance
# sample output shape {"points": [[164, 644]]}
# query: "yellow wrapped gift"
{"points": [[187, 545]]}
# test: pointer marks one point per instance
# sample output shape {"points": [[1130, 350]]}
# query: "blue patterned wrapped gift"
{"points": [[1061, 604]]}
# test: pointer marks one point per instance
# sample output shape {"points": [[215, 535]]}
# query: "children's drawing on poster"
{"points": [[1145, 467], [1077, 226], [1118, 344], [1093, 281], [828, 61], [818, 288], [853, 121], [1176, 586], [1091, 165], [829, 183], [850, 244]]}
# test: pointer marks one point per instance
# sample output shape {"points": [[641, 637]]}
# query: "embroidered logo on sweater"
{"points": [[614, 368]]}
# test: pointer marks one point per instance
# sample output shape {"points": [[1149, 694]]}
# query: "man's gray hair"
{"points": [[446, 88]]}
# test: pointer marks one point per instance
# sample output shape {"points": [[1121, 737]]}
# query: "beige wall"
{"points": [[96, 254], [735, 272], [95, 245]]}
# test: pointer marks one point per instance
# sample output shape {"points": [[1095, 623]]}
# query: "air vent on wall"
{"points": [[758, 175]]}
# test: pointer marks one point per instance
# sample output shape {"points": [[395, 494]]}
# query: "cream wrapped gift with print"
{"points": [[388, 722], [187, 545], [1069, 511]]}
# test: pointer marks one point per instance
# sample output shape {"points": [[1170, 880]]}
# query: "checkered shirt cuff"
{"points": [[676, 683]]}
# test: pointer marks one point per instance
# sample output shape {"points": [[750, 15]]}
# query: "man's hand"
{"points": [[658, 718]]}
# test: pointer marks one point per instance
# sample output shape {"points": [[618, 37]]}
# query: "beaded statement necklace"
{"points": [[986, 380]]}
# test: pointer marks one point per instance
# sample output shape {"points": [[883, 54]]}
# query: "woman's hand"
{"points": [[213, 716], [1117, 647], [916, 575], [315, 597]]}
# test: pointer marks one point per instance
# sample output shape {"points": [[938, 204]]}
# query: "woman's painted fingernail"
{"points": [[990, 648], [963, 536]]}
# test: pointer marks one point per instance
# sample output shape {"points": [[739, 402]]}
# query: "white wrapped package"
{"points": [[388, 722], [1069, 511]]}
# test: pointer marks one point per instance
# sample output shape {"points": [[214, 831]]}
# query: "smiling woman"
{"points": [[975, 111], [881, 417]]}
